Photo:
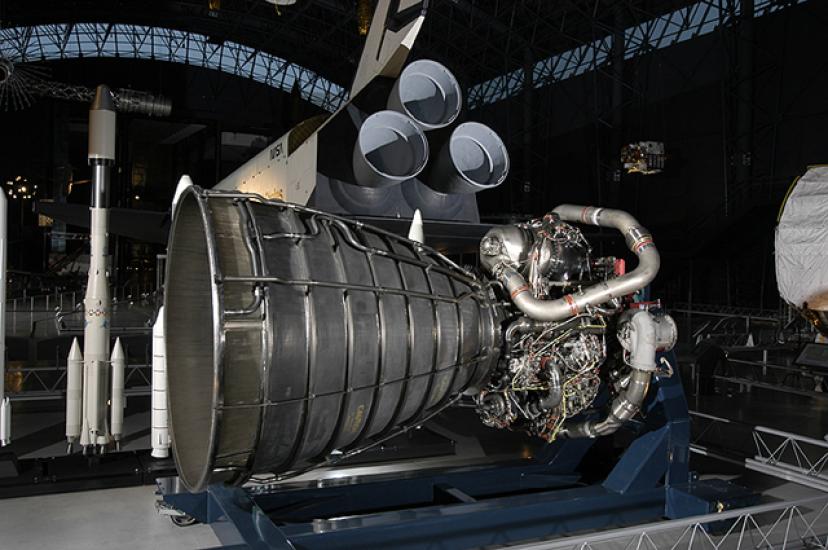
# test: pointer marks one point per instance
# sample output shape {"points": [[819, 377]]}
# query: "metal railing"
{"points": [[733, 324], [767, 375], [785, 455], [43, 383], [785, 525], [62, 312], [790, 456]]}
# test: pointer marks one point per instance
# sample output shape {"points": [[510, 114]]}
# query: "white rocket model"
{"points": [[95, 379], [5, 404], [74, 393], [160, 432], [117, 402]]}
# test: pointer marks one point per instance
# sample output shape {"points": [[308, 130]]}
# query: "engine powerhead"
{"points": [[559, 350]]}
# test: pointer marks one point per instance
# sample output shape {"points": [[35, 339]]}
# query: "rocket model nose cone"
{"points": [[415, 232], [158, 327], [117, 350], [104, 100], [75, 352]]}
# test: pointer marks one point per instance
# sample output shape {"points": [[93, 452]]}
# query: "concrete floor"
{"points": [[115, 518], [126, 518]]}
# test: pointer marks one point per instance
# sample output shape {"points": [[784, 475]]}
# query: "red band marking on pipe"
{"points": [[644, 242], [519, 290], [572, 306]]}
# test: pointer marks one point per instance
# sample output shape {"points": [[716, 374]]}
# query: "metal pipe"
{"points": [[389, 149], [639, 241], [643, 341], [427, 92], [474, 159]]}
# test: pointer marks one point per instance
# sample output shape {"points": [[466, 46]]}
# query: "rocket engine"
{"points": [[294, 335]]}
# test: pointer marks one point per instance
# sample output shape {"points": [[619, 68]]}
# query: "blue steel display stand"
{"points": [[473, 507]]}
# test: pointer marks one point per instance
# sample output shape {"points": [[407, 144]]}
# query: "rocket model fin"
{"points": [[394, 28]]}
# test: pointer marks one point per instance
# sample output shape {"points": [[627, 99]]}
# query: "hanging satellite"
{"points": [[644, 157], [21, 82], [801, 247], [17, 83]]}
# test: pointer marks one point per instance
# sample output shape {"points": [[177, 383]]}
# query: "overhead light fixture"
{"points": [[364, 11], [280, 3]]}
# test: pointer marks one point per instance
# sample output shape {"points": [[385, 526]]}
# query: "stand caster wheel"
{"points": [[183, 521]]}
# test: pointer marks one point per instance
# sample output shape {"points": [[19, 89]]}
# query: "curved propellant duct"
{"points": [[638, 240]]}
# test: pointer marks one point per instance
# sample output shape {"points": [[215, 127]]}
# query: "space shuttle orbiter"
{"points": [[394, 147]]}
